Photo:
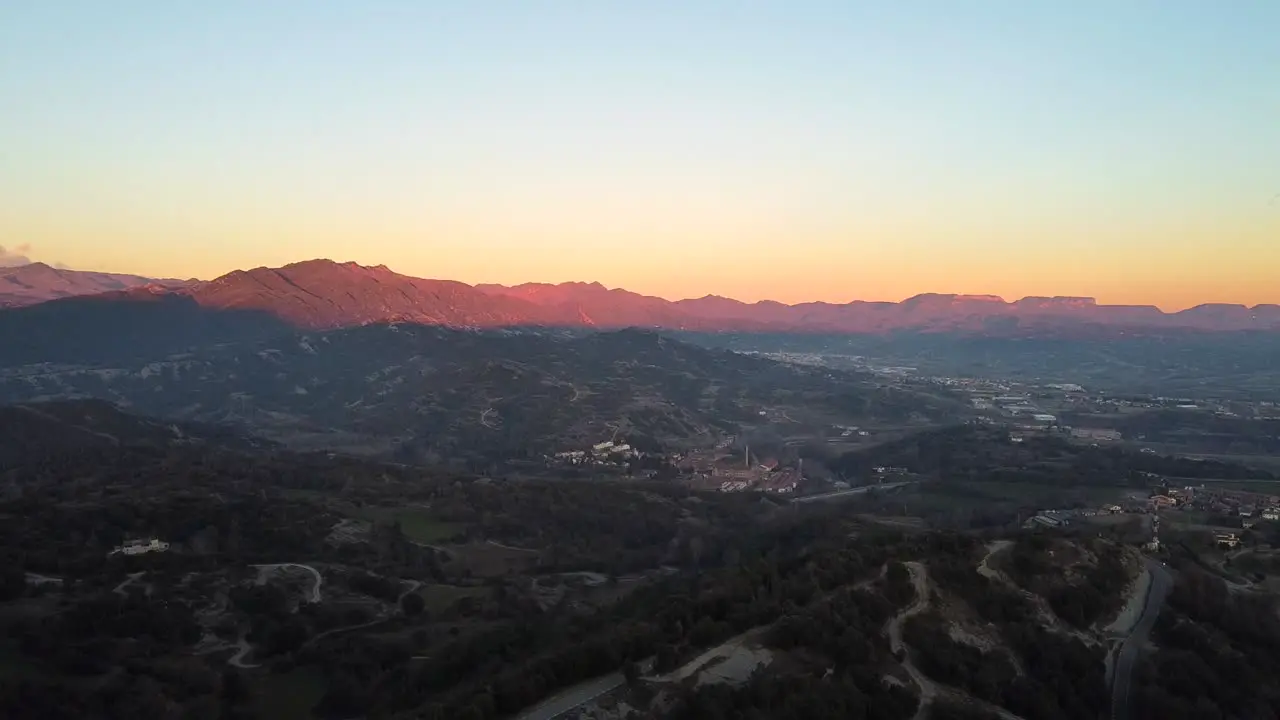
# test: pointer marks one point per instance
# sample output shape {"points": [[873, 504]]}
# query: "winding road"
{"points": [[1122, 684]]}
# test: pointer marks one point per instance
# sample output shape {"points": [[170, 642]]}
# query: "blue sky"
{"points": [[797, 150]]}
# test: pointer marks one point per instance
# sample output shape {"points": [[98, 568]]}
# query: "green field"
{"points": [[419, 525], [489, 560], [13, 664], [291, 695], [980, 491], [1268, 487]]}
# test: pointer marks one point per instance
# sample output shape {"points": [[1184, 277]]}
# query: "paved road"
{"points": [[1161, 583], [575, 696], [578, 695], [855, 491]]}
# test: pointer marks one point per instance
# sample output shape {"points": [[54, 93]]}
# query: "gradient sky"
{"points": [[1125, 149]]}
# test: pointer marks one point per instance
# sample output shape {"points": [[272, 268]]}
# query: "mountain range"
{"points": [[37, 282], [322, 295]]}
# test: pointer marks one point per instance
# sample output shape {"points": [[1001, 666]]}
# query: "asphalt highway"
{"points": [[1126, 660], [855, 491]]}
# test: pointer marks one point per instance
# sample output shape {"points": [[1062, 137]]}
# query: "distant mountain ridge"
{"points": [[37, 282], [927, 311], [324, 295]]}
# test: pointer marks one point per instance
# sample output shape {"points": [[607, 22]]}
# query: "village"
{"points": [[1222, 513], [728, 472], [710, 469]]}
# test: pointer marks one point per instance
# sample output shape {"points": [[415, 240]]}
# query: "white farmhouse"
{"points": [[139, 547]]}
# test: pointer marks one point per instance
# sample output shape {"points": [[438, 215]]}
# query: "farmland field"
{"points": [[417, 524], [291, 695]]}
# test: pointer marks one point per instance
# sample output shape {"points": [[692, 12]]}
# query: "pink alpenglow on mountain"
{"points": [[322, 294]]}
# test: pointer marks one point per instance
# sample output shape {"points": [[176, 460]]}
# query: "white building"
{"points": [[139, 547], [1042, 520]]}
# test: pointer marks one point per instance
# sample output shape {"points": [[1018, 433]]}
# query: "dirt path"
{"points": [[737, 646], [380, 620], [1046, 615], [264, 571], [984, 569], [243, 648], [38, 579], [97, 433], [328, 633], [241, 645], [573, 698], [512, 548], [884, 570], [413, 585], [130, 579], [928, 689]]}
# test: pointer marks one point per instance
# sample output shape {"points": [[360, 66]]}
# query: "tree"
{"points": [[413, 605], [631, 672]]}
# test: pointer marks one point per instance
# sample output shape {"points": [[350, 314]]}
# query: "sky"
{"points": [[794, 150]]}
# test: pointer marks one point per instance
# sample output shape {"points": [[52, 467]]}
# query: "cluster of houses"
{"points": [[1060, 518], [764, 477], [599, 454], [850, 430], [1022, 432], [1227, 540], [713, 470], [1047, 519], [1250, 507]]}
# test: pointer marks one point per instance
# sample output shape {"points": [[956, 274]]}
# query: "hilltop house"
{"points": [[1227, 539], [139, 547]]}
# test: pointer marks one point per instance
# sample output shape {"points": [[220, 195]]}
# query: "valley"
{"points": [[258, 503], [639, 361]]}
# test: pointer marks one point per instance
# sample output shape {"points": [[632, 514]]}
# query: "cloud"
{"points": [[15, 257]]}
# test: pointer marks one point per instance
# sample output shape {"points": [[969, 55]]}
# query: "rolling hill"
{"points": [[430, 393], [37, 432]]}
